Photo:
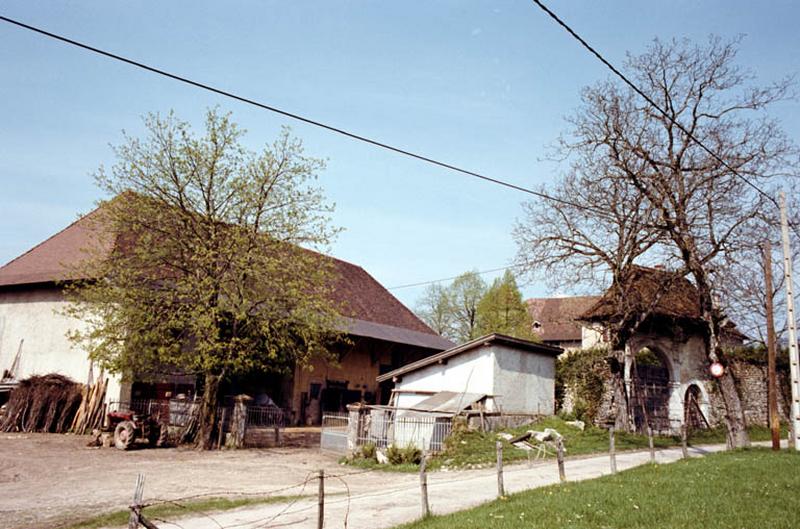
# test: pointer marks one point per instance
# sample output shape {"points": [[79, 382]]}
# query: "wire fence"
{"points": [[295, 505], [383, 428], [178, 412]]}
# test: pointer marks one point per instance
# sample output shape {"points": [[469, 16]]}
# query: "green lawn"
{"points": [[744, 489], [469, 449]]}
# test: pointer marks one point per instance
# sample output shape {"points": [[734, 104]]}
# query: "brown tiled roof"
{"points": [[661, 292], [558, 317], [56, 258], [365, 299]]}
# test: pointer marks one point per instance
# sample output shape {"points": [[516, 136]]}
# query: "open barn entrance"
{"points": [[650, 391]]}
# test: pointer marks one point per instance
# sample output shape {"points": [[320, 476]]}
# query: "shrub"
{"points": [[399, 455], [368, 451], [412, 454], [394, 454]]}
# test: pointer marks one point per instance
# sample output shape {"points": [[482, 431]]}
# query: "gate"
{"points": [[333, 435]]}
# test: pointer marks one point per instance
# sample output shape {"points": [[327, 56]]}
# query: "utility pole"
{"points": [[772, 386], [794, 368]]}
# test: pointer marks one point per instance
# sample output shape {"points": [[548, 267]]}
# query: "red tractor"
{"points": [[129, 426]]}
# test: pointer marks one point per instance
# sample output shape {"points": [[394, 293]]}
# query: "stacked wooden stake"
{"points": [[92, 408]]}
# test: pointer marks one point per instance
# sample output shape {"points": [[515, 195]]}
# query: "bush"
{"points": [[368, 451], [397, 455]]}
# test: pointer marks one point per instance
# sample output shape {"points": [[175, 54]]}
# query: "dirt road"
{"points": [[48, 479], [398, 500]]}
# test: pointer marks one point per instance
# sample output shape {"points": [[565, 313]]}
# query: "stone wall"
{"points": [[751, 381]]}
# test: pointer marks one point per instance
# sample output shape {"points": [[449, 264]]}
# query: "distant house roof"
{"points": [[558, 317], [526, 345], [373, 311]]}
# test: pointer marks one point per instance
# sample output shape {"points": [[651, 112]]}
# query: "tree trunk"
{"points": [[207, 421], [734, 414]]}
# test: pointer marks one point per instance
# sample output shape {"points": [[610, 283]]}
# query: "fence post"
{"points": [[650, 444], [501, 490], [560, 458], [423, 486], [138, 491], [684, 441], [239, 426], [612, 450], [353, 426], [321, 500]]}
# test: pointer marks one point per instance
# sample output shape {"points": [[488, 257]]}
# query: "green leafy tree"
{"points": [[502, 310], [208, 272], [435, 307], [466, 292]]}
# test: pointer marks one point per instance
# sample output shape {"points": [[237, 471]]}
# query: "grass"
{"points": [[729, 490], [474, 449], [171, 511]]}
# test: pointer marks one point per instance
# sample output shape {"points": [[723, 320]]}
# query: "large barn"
{"points": [[33, 335]]}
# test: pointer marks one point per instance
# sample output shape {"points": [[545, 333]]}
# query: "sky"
{"points": [[482, 85]]}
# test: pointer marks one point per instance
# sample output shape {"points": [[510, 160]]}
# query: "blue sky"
{"points": [[484, 85]]}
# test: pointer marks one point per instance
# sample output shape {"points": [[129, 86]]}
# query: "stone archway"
{"points": [[650, 390], [695, 407]]}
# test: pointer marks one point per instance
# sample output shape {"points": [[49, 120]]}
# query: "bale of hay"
{"points": [[46, 403]]}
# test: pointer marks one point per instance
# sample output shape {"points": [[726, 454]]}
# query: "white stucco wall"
{"points": [[521, 381], [470, 372], [34, 317], [524, 382]]}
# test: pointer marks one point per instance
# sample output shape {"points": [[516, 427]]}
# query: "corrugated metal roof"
{"points": [[449, 402]]}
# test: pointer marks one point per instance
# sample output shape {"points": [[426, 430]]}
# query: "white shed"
{"points": [[518, 375]]}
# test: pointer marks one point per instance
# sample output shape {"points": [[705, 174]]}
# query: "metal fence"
{"points": [[385, 427], [177, 412], [267, 417], [333, 435]]}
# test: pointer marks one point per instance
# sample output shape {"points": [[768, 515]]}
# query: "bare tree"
{"points": [[594, 237], [705, 205]]}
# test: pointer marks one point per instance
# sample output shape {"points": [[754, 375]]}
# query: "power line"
{"points": [[423, 283], [292, 115], [650, 100]]}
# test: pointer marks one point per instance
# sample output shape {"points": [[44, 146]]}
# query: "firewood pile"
{"points": [[91, 413], [45, 403]]}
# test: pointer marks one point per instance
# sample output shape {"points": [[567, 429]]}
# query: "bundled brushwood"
{"points": [[45, 403], [92, 409]]}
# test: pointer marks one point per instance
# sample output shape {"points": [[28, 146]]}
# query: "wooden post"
{"points": [[321, 501], [772, 386], [612, 451], [685, 440], [423, 486], [560, 458], [650, 444], [501, 491], [138, 491]]}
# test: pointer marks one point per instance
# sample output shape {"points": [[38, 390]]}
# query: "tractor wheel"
{"points": [[124, 435]]}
